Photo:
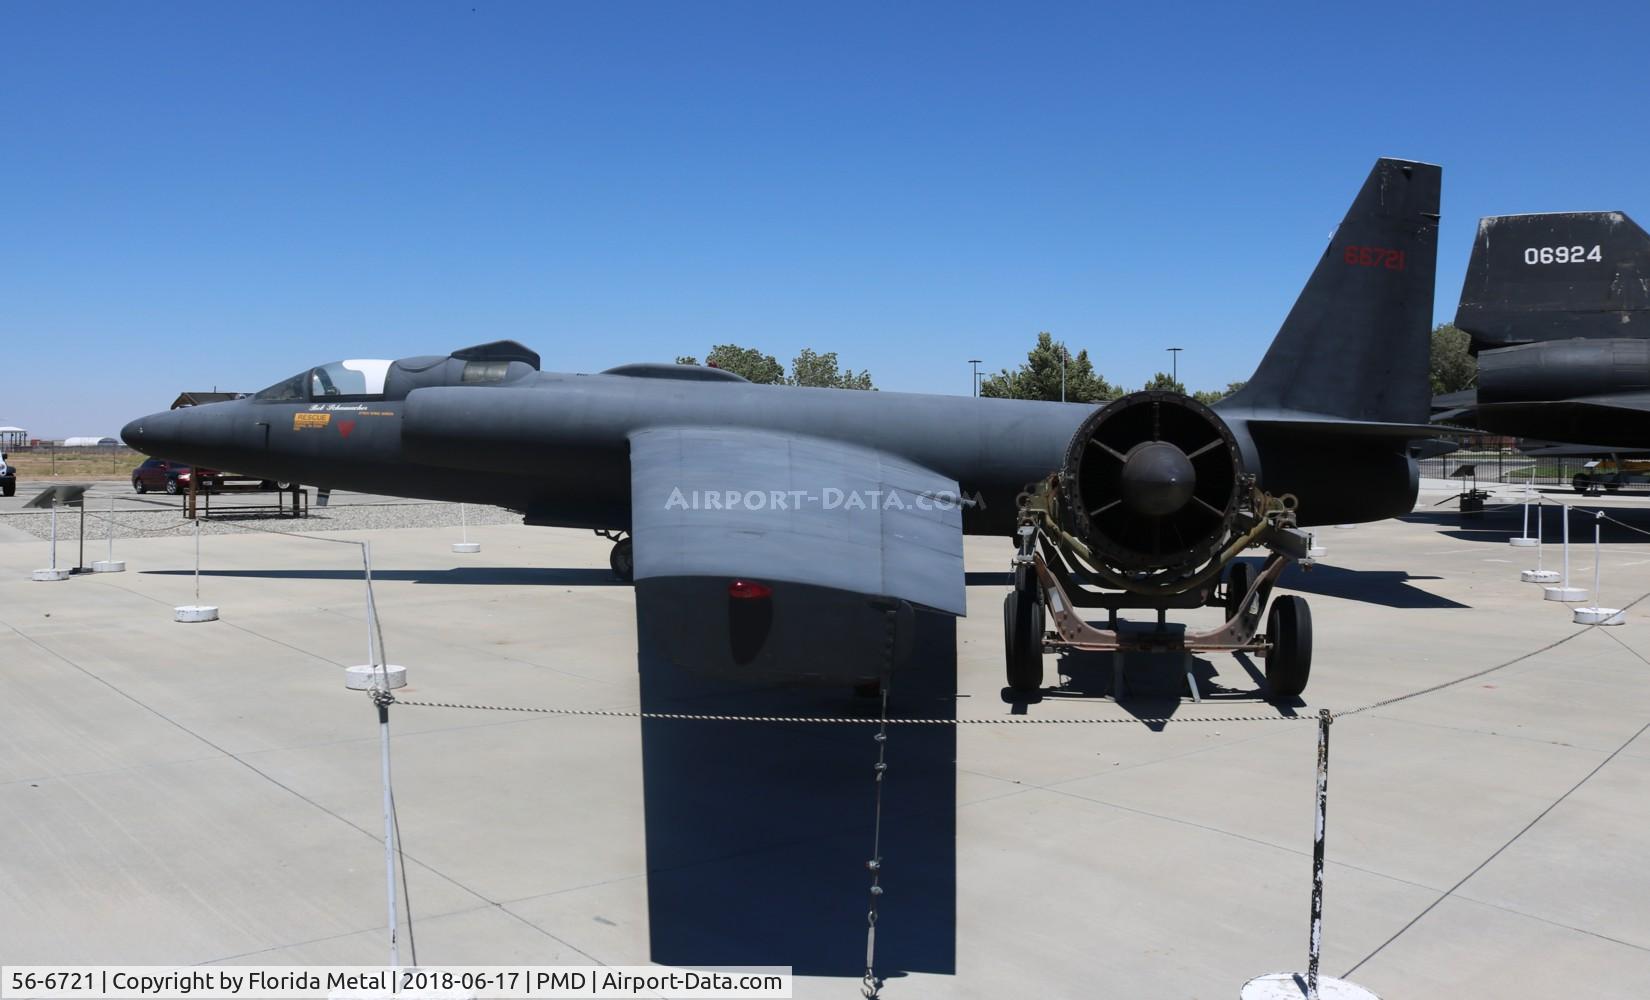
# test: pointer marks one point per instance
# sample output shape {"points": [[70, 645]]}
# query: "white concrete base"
{"points": [[1599, 616], [1521, 542], [1563, 594], [366, 677], [48, 575], [1292, 986], [1539, 576], [190, 613], [109, 566], [1316, 552], [466, 546]]}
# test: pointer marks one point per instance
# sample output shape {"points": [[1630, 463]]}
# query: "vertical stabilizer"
{"points": [[1356, 344], [1558, 276]]}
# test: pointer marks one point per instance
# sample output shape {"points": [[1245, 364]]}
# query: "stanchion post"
{"points": [[466, 545], [382, 699], [1315, 943], [196, 612], [1565, 592], [1293, 985]]}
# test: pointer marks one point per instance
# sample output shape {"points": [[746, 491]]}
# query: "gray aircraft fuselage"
{"points": [[555, 446]]}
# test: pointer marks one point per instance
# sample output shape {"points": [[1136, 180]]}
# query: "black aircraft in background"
{"points": [[1558, 309]]}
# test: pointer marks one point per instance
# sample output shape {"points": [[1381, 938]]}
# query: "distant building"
{"points": [[197, 398], [89, 442], [13, 437]]}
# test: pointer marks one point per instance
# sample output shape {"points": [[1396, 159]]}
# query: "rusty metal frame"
{"points": [[1072, 632]]}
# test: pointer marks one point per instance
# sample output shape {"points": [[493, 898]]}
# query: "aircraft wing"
{"points": [[1617, 420], [732, 504]]}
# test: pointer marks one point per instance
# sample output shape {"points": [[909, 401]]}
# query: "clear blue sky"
{"points": [[198, 195]]}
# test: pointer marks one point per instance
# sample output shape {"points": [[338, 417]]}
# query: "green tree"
{"points": [[1453, 367], [1164, 382], [1209, 397], [821, 371], [746, 361], [1039, 377]]}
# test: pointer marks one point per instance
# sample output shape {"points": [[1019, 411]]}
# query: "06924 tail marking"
{"points": [[1562, 255]]}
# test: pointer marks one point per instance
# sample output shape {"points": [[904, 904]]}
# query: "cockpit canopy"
{"points": [[362, 379]]}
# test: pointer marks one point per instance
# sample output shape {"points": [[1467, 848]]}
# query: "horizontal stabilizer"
{"points": [[1309, 425]]}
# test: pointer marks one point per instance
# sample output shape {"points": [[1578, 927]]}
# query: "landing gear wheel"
{"points": [[1238, 581], [1289, 661], [1023, 639], [622, 560]]}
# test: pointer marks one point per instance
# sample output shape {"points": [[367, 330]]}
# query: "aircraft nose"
{"points": [[153, 433]]}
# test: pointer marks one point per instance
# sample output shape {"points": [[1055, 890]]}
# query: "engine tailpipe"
{"points": [[1151, 483]]}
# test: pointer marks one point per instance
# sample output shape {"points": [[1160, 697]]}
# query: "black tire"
{"points": [[622, 560], [1289, 661], [1239, 578], [172, 488], [10, 489], [1023, 639], [138, 487]]}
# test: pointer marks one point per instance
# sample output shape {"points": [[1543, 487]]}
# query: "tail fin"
{"points": [[1356, 345], [1555, 277]]}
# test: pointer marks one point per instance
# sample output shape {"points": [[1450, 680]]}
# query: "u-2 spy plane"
{"points": [[772, 528]]}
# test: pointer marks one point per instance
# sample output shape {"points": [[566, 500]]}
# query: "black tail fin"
{"points": [[1356, 344], [1556, 277]]}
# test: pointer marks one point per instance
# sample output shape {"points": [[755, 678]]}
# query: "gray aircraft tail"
{"points": [[1556, 276], [1355, 346]]}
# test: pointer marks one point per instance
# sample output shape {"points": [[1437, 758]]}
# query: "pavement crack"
{"points": [[1498, 851]]}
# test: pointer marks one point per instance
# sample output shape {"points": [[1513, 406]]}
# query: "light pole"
{"points": [[1174, 364], [976, 363]]}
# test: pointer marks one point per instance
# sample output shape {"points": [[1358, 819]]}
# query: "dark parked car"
{"points": [[8, 478], [172, 477]]}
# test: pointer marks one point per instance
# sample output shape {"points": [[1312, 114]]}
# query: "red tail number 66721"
{"points": [[1392, 260]]}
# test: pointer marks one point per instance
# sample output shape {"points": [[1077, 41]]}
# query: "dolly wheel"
{"points": [[622, 560], [1289, 661], [1023, 639]]}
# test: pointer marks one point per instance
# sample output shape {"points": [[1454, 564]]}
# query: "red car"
{"points": [[173, 477]]}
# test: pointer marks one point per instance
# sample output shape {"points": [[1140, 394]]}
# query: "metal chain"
{"points": [[1018, 720], [871, 985]]}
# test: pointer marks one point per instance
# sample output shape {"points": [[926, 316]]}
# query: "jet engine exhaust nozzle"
{"points": [[1158, 479], [1151, 482]]}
